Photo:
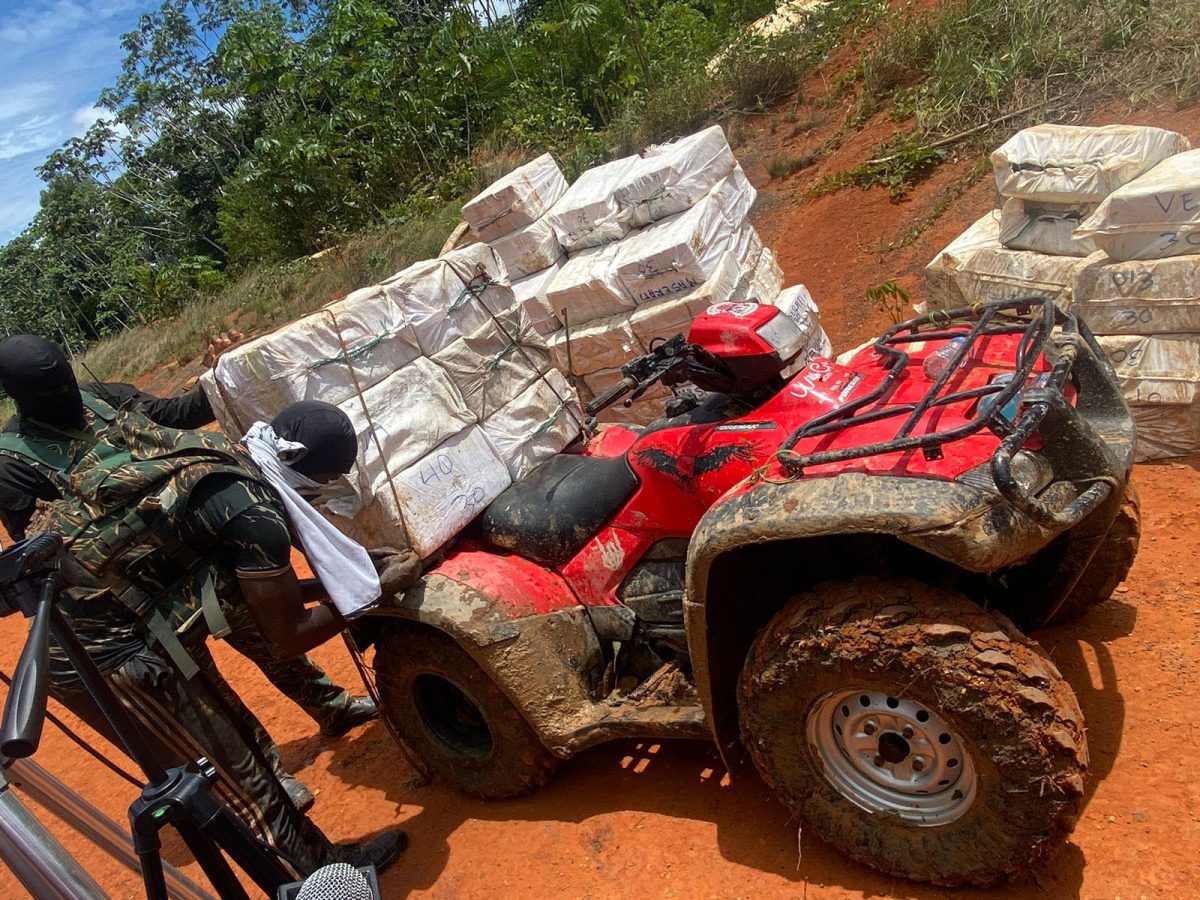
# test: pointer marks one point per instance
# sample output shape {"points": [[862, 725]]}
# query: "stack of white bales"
{"points": [[650, 242], [1103, 220], [1142, 294], [448, 384]]}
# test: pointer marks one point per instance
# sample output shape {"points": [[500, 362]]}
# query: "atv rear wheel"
{"points": [[455, 717], [1111, 564], [914, 731]]}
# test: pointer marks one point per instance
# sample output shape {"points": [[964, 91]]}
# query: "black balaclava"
{"points": [[38, 377], [325, 431]]}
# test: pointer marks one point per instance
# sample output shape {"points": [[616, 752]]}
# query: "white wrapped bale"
{"points": [[587, 287], [1162, 369], [604, 344], [494, 364], [443, 305], [403, 418], [311, 359], [1079, 164], [665, 320], [1164, 431], [586, 214], [1045, 227], [677, 255], [516, 200], [798, 305], [761, 283], [1156, 216], [437, 496], [531, 293], [1139, 297], [670, 178], [539, 423], [643, 411], [975, 268], [527, 250], [747, 247], [476, 262]]}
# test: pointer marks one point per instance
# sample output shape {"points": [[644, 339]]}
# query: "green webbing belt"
{"points": [[166, 637], [214, 616]]}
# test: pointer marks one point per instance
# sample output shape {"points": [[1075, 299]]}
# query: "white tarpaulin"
{"points": [[1160, 296], [1160, 369], [494, 364], [762, 282], [603, 344], [671, 178], [1045, 227], [587, 287], [975, 268], [539, 423], [311, 359], [1079, 164], [1164, 430], [442, 305], [516, 200], [402, 418], [1156, 216], [665, 320], [441, 493], [798, 305], [586, 215], [476, 262], [679, 254], [527, 250], [530, 292]]}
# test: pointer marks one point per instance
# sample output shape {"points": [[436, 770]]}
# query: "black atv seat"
{"points": [[549, 515]]}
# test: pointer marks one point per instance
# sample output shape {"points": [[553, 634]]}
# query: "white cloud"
{"points": [[38, 133], [40, 23]]}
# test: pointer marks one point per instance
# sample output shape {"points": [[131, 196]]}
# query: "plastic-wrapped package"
{"points": [[798, 305], [312, 359], [670, 178], [1045, 227], [761, 283], [1160, 296], [402, 418], [1156, 369], [677, 255], [1079, 164], [1165, 430], [530, 292], [586, 215], [494, 364], [476, 262], [603, 344], [587, 287], [539, 423], [528, 250], [747, 247], [642, 411], [438, 495], [442, 305], [1156, 216], [975, 268], [515, 200]]}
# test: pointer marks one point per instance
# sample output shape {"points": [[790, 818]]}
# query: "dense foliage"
{"points": [[244, 130]]}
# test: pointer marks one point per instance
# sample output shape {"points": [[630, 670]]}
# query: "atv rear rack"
{"points": [[1034, 318]]}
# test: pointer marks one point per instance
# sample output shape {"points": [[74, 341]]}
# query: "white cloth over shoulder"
{"points": [[343, 566]]}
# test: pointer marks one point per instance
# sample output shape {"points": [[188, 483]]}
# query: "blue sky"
{"points": [[55, 57]]}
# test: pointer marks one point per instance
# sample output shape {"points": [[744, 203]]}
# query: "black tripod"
{"points": [[29, 584]]}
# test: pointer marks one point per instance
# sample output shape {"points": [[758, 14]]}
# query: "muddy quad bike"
{"points": [[821, 570]]}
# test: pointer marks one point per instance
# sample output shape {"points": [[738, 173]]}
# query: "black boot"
{"points": [[297, 792], [380, 851], [357, 712]]}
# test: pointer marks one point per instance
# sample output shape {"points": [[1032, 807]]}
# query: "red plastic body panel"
{"points": [[730, 330], [522, 588]]}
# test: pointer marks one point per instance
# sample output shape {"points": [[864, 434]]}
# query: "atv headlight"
{"points": [[784, 336], [1029, 470]]}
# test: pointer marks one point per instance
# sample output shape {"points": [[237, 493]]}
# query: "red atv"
{"points": [[823, 571]]}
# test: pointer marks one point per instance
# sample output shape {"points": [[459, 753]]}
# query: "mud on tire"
{"points": [[455, 717], [1111, 564], [934, 653]]}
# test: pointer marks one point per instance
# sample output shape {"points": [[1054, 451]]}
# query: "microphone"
{"points": [[340, 881]]}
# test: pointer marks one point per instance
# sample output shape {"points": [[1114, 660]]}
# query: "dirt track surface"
{"points": [[663, 820]]}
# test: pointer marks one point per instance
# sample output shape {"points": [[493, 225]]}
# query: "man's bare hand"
{"points": [[398, 569], [218, 344]]}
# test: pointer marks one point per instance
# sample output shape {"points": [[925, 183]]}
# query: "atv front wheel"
{"points": [[455, 717], [1111, 564], [914, 731]]}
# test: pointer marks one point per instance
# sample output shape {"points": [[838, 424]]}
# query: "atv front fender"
{"points": [[524, 628], [757, 548]]}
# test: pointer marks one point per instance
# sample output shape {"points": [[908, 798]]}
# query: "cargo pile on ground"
{"points": [[1106, 221], [453, 369], [632, 251]]}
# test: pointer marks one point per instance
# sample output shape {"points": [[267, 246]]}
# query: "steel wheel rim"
{"points": [[890, 755]]}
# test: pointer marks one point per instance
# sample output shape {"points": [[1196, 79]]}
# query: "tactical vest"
{"points": [[125, 488]]}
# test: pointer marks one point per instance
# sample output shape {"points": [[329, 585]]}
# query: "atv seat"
{"points": [[549, 515]]}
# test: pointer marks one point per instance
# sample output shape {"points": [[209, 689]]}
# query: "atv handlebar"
{"points": [[641, 372]]}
